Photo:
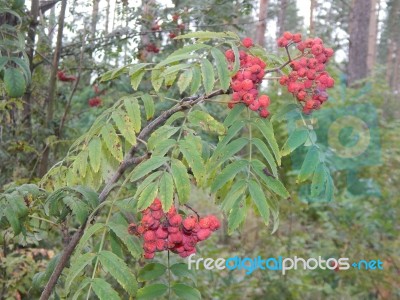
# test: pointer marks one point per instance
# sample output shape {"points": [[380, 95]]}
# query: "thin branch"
{"points": [[129, 161], [73, 89]]}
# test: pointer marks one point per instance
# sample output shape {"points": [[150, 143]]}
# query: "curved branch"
{"points": [[128, 161]]}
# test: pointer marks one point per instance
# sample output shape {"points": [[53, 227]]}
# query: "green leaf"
{"points": [[166, 191], [228, 173], [14, 82], [77, 266], [267, 131], [297, 138], [81, 287], [272, 183], [3, 61], [136, 79], [149, 179], [17, 203], [184, 80], [161, 134], [112, 141], [136, 68], [104, 290], [78, 207], [136, 72], [181, 179], [148, 106], [147, 196], [151, 271], [267, 155], [226, 153], [233, 114], [89, 232], [237, 214], [12, 218], [193, 157], [186, 292], [119, 270], [236, 64], [207, 72], [238, 190], [147, 166], [232, 131], [81, 161], [310, 163], [162, 147], [176, 116], [282, 113], [174, 69], [190, 48], [206, 121], [152, 291], [95, 154], [156, 79], [182, 270], [208, 35], [222, 68], [124, 126], [174, 58], [133, 109], [23, 64], [169, 79], [258, 197], [318, 181], [196, 80], [329, 187], [131, 243]]}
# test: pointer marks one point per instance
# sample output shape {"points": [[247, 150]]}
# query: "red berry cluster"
{"points": [[66, 78], [169, 231], [308, 79], [95, 101], [152, 48], [246, 81], [179, 27]]}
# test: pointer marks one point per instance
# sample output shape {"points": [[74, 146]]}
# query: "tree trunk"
{"points": [[281, 17], [262, 23], [34, 13], [51, 97], [358, 42], [95, 19], [312, 8], [107, 17], [372, 38]]}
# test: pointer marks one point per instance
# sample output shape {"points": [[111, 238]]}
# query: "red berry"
{"points": [[255, 105], [149, 236], [264, 100], [175, 220], [189, 223], [247, 84], [247, 42], [161, 233], [287, 35], [296, 38], [264, 113], [204, 223], [148, 255], [230, 55], [156, 205], [203, 234]]}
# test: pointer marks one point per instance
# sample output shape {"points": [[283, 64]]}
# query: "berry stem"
{"points": [[169, 279], [198, 216], [277, 69]]}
